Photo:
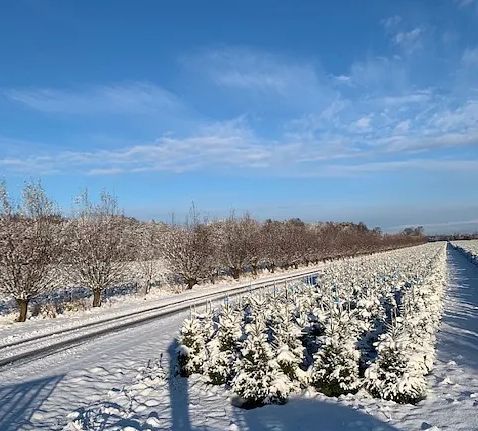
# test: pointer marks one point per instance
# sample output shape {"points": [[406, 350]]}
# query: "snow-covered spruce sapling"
{"points": [[395, 375], [285, 336], [192, 347], [222, 349], [290, 353], [259, 379], [336, 364]]}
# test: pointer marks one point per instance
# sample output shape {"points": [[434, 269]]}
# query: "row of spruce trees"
{"points": [[368, 323]]}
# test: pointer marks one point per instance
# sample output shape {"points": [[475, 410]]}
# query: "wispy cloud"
{"points": [[391, 22], [137, 98], [222, 146], [246, 68], [407, 39], [403, 165], [264, 76], [464, 3], [232, 145]]}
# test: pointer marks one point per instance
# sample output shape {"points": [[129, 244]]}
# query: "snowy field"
{"points": [[127, 380]]}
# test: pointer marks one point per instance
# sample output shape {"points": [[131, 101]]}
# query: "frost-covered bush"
{"points": [[45, 311]]}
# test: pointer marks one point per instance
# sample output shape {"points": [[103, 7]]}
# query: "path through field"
{"points": [[39, 395]]}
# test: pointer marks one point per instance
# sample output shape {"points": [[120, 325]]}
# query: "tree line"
{"points": [[98, 247]]}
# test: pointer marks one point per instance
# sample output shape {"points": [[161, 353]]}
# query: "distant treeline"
{"points": [[453, 237]]}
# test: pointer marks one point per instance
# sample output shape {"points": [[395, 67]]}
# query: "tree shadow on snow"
{"points": [[19, 402], [458, 338], [301, 414], [178, 393]]}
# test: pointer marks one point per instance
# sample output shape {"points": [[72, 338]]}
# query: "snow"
{"points": [[103, 384]]}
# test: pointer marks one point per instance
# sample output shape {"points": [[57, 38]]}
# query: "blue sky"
{"points": [[346, 110]]}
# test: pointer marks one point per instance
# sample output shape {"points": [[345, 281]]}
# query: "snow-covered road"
{"points": [[39, 395]]}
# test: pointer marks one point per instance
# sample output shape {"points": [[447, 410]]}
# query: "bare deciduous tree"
{"points": [[99, 248], [30, 245], [147, 240], [189, 250], [271, 233], [237, 243]]}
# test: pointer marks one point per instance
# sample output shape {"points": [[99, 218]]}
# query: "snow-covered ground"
{"points": [[100, 384], [469, 247]]}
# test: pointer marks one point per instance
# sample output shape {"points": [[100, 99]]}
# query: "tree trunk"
{"points": [[254, 269], [236, 272], [96, 298], [296, 265], [191, 282], [147, 287], [272, 268], [23, 308]]}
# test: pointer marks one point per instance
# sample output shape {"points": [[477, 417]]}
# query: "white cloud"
{"points": [[342, 78], [463, 119], [221, 146], [363, 123], [409, 41]]}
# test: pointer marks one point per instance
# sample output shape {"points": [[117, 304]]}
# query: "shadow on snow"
{"points": [[19, 402], [178, 393], [308, 414]]}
